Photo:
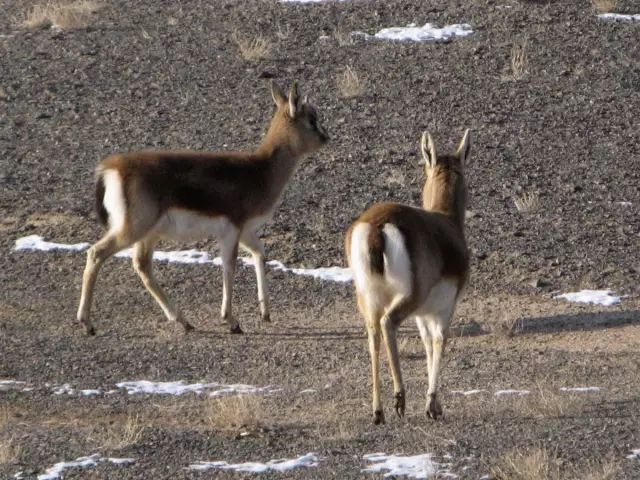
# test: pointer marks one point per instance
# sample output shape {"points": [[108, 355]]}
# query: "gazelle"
{"points": [[411, 262], [150, 195]]}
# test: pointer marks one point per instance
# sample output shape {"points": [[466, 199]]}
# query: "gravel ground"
{"points": [[169, 75]]}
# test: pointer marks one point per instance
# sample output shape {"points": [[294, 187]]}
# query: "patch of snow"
{"points": [[624, 204], [179, 388], [416, 466], [62, 389], [308, 390], [333, 274], [56, 471], [598, 297], [280, 465], [619, 17], [635, 455], [426, 33], [121, 461], [36, 242], [468, 392], [580, 389], [90, 392], [307, 1], [517, 393]]}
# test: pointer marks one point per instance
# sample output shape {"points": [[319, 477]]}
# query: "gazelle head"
{"points": [[445, 190], [295, 125]]}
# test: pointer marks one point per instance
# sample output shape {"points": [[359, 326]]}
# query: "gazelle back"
{"points": [[411, 262], [146, 196]]}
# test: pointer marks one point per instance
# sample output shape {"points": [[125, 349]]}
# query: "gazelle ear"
{"points": [[463, 150], [428, 149], [294, 100], [278, 95]]}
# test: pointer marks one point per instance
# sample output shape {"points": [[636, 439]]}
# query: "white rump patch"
{"points": [[360, 262], [113, 200], [417, 466], [426, 33], [598, 297], [280, 465], [619, 17], [397, 264]]}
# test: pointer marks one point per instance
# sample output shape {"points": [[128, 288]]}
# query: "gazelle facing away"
{"points": [[410, 262], [150, 195]]}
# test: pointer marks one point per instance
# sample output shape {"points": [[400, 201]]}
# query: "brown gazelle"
{"points": [[150, 195], [411, 262]]}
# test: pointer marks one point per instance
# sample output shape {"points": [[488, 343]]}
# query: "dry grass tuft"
{"points": [[343, 38], [604, 6], [236, 412], [507, 324], [62, 15], [3, 94], [252, 48], [519, 59], [527, 202], [350, 83], [9, 451], [607, 470], [536, 464], [121, 434]]}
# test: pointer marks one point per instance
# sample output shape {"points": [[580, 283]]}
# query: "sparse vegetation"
{"points": [[604, 6], [3, 94], [61, 15], [537, 464], [527, 202], [343, 38], [507, 324], [350, 83], [519, 59], [9, 451], [251, 48], [121, 434], [235, 412]]}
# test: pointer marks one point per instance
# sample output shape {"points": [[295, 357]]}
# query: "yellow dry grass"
{"points": [[252, 48], [604, 6], [350, 83], [235, 412], [63, 15]]}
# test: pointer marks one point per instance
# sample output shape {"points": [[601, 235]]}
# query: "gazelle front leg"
{"points": [[373, 332], [253, 244], [229, 254]]}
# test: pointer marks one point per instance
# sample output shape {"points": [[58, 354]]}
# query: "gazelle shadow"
{"points": [[587, 321]]}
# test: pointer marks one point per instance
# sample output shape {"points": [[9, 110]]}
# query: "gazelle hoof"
{"points": [[266, 317], [90, 330], [236, 329], [434, 409], [187, 327], [400, 404], [378, 417]]}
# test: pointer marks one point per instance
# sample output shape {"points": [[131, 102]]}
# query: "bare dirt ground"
{"points": [[169, 75]]}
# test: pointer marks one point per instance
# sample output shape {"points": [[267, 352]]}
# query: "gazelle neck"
{"points": [[447, 196]]}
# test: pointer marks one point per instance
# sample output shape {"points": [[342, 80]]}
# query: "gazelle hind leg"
{"points": [[107, 246], [143, 265], [251, 242], [390, 323], [372, 320], [229, 254], [425, 335]]}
